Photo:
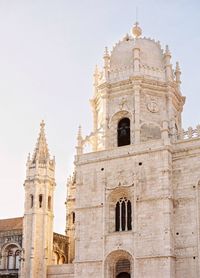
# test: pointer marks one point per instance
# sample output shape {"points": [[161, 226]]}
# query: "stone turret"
{"points": [[38, 211]]}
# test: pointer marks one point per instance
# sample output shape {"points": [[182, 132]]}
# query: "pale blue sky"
{"points": [[48, 50]]}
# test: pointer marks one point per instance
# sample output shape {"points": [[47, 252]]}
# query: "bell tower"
{"points": [[38, 215], [137, 91], [123, 195]]}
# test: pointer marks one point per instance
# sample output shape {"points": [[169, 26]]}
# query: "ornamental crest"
{"points": [[152, 105]]}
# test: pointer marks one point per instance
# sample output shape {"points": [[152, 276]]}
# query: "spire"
{"points": [[178, 74], [41, 153], [106, 58], [79, 147]]}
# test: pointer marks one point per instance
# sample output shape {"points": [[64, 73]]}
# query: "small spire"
{"points": [[178, 74], [41, 153], [177, 66], [106, 53], [136, 30], [167, 51], [106, 58], [96, 74], [79, 147], [79, 132]]}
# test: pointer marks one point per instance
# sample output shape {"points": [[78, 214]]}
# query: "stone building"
{"points": [[133, 201]]}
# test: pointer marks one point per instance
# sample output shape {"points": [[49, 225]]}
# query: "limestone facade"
{"points": [[136, 194]]}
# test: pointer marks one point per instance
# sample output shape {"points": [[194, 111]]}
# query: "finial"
{"points": [[79, 131], [167, 49], [178, 74], [136, 30], [106, 53], [177, 66], [79, 147]]}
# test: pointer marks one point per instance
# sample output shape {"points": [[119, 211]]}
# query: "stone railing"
{"points": [[124, 72], [189, 134]]}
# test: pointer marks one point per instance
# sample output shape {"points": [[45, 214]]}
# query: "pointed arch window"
{"points": [[123, 132], [123, 217], [32, 200], [40, 200], [73, 217]]}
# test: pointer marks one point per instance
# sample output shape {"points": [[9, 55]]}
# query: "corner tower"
{"points": [[38, 216]]}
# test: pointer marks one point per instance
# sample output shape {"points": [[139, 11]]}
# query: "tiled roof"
{"points": [[11, 224]]}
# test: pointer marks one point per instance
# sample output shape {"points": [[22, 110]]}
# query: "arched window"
{"points": [[40, 200], [10, 260], [17, 254], [123, 132], [73, 217], [31, 196], [123, 215], [49, 202]]}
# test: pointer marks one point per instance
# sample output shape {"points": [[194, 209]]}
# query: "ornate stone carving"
{"points": [[152, 105]]}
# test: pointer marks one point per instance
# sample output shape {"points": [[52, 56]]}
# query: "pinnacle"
{"points": [[79, 132], [41, 153], [177, 66]]}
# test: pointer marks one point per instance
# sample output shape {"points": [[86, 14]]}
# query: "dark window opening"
{"points": [[123, 275], [123, 132], [73, 217], [117, 217], [129, 225], [32, 201], [40, 200], [123, 217]]}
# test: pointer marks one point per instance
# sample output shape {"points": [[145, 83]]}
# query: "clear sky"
{"points": [[48, 51]]}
